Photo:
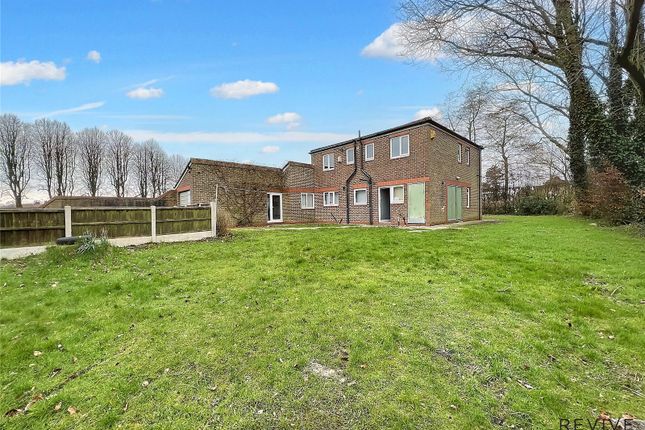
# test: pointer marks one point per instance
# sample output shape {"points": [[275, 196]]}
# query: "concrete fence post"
{"points": [[68, 221], [153, 223], [214, 219]]}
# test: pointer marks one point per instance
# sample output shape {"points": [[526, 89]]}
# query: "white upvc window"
{"points": [[349, 156], [397, 194], [306, 200], [328, 162], [468, 197], [369, 152], [459, 148], [360, 196], [467, 156], [330, 198], [184, 198], [400, 146]]}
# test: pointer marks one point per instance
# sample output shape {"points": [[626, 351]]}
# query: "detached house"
{"points": [[419, 173]]}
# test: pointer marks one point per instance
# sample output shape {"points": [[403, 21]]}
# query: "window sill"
{"points": [[307, 208], [330, 206], [400, 156]]}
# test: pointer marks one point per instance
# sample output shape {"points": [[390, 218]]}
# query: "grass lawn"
{"points": [[517, 323]]}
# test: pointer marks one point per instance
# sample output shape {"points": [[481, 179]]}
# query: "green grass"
{"points": [[438, 329]]}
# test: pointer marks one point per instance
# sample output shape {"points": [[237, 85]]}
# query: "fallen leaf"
{"points": [[13, 412], [58, 406], [55, 372], [125, 407], [144, 384], [453, 407], [74, 359], [37, 353], [525, 385], [72, 410]]}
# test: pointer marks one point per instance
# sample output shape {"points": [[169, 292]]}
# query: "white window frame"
{"points": [[350, 151], [366, 197], [467, 197], [313, 201], [190, 198], [467, 156], [334, 199], [392, 200], [460, 150], [399, 140], [331, 165], [373, 152]]}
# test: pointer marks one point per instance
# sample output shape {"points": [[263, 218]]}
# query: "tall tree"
{"points": [[141, 167], [15, 155], [91, 145], [55, 155], [119, 150], [158, 168]]}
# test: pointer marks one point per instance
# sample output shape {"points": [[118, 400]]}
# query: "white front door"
{"points": [[274, 207]]}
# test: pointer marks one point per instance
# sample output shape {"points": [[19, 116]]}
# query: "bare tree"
{"points": [[55, 155], [176, 165], [140, 164], [119, 151], [158, 165], [91, 146], [15, 155]]}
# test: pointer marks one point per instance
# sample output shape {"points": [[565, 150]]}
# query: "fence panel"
{"points": [[114, 222], [183, 220], [27, 227]]}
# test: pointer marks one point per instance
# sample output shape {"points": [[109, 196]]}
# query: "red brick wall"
{"points": [[298, 178]]}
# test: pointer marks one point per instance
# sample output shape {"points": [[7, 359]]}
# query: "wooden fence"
{"points": [[37, 226]]}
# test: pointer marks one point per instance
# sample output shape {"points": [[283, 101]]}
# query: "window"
{"points": [[400, 146], [328, 162], [360, 197], [369, 152], [459, 153], [330, 198], [349, 156], [397, 194], [468, 156], [306, 200], [468, 197], [184, 198]]}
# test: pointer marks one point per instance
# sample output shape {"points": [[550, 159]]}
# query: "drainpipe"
{"points": [[347, 183], [369, 178]]}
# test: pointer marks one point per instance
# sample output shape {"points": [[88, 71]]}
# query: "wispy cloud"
{"points": [[147, 83], [143, 93], [239, 137], [434, 112], [23, 72], [77, 109], [94, 56], [243, 89], [148, 117], [290, 119], [270, 149]]}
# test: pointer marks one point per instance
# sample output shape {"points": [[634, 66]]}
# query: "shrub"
{"points": [[223, 223], [91, 244], [610, 198], [535, 204]]}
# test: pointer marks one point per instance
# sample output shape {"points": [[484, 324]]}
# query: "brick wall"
{"points": [[298, 178]]}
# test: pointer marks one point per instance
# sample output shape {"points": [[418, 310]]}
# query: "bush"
{"points": [[223, 223], [610, 198], [91, 244], [535, 204]]}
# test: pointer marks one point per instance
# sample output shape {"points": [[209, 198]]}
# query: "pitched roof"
{"points": [[426, 120]]}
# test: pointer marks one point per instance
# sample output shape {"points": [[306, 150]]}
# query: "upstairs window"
{"points": [[459, 153], [467, 156], [360, 197], [349, 156], [369, 152], [328, 162], [306, 200], [400, 146], [330, 198]]}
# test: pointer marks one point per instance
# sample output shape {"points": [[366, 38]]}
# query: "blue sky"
{"points": [[311, 73]]}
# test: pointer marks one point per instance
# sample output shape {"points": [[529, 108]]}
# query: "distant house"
{"points": [[418, 173]]}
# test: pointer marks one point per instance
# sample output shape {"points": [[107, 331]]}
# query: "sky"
{"points": [[252, 81]]}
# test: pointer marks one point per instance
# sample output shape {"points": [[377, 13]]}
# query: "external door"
{"points": [[417, 203], [274, 207], [454, 203]]}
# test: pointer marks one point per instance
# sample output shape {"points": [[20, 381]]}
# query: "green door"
{"points": [[454, 203], [417, 203]]}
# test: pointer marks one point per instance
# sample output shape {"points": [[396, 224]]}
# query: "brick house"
{"points": [[418, 173]]}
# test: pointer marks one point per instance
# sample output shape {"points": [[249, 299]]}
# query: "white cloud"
{"points": [[243, 89], [291, 119], [81, 108], [391, 45], [23, 72], [433, 112], [237, 137], [94, 56], [143, 93], [270, 149]]}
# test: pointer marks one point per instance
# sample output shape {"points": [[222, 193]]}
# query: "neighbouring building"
{"points": [[418, 173]]}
